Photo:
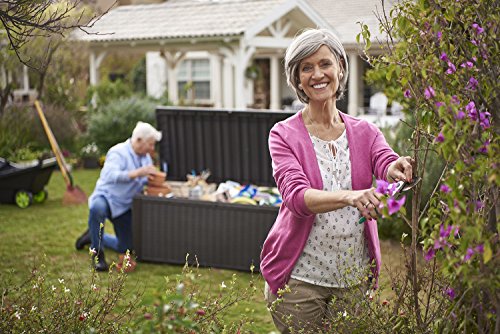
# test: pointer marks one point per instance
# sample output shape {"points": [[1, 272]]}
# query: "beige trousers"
{"points": [[307, 307]]}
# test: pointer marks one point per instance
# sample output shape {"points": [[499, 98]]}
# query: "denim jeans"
{"points": [[99, 212]]}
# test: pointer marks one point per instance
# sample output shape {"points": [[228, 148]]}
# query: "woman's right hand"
{"points": [[367, 201]]}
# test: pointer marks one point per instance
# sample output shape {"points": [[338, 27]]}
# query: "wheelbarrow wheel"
{"points": [[23, 199], [40, 196]]}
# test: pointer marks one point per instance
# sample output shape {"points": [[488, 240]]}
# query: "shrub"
{"points": [[440, 62], [64, 305], [113, 123]]}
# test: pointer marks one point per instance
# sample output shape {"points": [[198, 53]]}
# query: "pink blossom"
{"points": [[484, 147], [468, 254], [429, 255], [443, 56], [473, 41], [479, 249], [445, 188], [479, 205], [484, 120], [451, 68], [479, 30], [382, 186], [455, 99], [472, 84], [460, 114], [407, 94], [439, 104], [471, 110], [394, 205], [429, 92], [468, 64], [450, 292], [439, 138], [439, 34]]}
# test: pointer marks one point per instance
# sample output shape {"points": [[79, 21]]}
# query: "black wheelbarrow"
{"points": [[24, 183]]}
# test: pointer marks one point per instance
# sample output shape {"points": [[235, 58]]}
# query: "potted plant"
{"points": [[90, 156]]}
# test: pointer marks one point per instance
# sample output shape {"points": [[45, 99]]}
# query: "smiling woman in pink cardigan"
{"points": [[323, 163]]}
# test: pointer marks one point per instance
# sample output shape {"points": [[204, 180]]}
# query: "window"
{"points": [[193, 79]]}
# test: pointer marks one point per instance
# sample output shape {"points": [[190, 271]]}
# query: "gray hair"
{"points": [[306, 44], [145, 131]]}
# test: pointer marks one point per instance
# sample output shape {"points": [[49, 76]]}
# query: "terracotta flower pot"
{"points": [[157, 179]]}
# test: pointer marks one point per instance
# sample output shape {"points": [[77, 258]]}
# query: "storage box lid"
{"points": [[232, 144]]}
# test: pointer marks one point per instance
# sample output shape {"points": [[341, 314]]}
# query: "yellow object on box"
{"points": [[243, 200]]}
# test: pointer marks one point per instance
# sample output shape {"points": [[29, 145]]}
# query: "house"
{"points": [[229, 51]]}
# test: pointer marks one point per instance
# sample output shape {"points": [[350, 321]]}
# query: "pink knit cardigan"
{"points": [[295, 169]]}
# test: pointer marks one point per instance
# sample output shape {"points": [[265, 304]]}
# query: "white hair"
{"points": [[145, 131]]}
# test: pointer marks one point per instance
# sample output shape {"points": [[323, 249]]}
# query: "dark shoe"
{"points": [[83, 240], [99, 263]]}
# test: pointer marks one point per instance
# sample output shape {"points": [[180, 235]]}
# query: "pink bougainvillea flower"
{"points": [[484, 120], [468, 64], [443, 56], [451, 68], [382, 187], [391, 189], [429, 255], [450, 292], [484, 147], [473, 41], [445, 188], [439, 104], [439, 34], [468, 254], [479, 249], [472, 84], [479, 30], [471, 110], [460, 114], [455, 99], [394, 205], [429, 92], [407, 94], [439, 138], [479, 205]]}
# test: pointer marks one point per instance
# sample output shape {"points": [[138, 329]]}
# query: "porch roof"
{"points": [[179, 20]]}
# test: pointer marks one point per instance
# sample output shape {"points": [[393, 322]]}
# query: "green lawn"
{"points": [[51, 229]]}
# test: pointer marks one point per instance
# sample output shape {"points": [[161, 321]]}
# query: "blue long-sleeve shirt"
{"points": [[114, 183]]}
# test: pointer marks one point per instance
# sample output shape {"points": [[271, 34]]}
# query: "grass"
{"points": [[51, 229]]}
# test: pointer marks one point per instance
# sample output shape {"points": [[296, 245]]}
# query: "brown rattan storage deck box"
{"points": [[233, 146]]}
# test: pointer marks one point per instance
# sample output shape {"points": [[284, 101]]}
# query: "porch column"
{"points": [[215, 82], [355, 85], [26, 79], [95, 61], [227, 83], [173, 58], [275, 80], [243, 55]]}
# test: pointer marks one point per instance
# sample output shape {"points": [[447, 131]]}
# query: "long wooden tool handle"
{"points": [[54, 145]]}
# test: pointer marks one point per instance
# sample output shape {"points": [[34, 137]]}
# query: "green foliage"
{"points": [[113, 123], [442, 65], [107, 91], [138, 77]]}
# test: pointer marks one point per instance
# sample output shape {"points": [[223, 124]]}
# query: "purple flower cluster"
{"points": [[389, 189], [450, 292], [469, 253], [407, 94], [429, 92], [445, 188], [442, 241], [439, 138], [474, 115], [472, 84]]}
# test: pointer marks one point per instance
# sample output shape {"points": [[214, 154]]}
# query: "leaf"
{"points": [[487, 253]]}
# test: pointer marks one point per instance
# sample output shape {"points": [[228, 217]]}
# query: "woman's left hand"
{"points": [[401, 169]]}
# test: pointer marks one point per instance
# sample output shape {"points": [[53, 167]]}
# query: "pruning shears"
{"points": [[401, 187]]}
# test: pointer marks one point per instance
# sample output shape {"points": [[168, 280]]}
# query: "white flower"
{"points": [[92, 251], [53, 288], [35, 286], [344, 314], [222, 285], [61, 280], [17, 315], [66, 290], [33, 308], [93, 287]]}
